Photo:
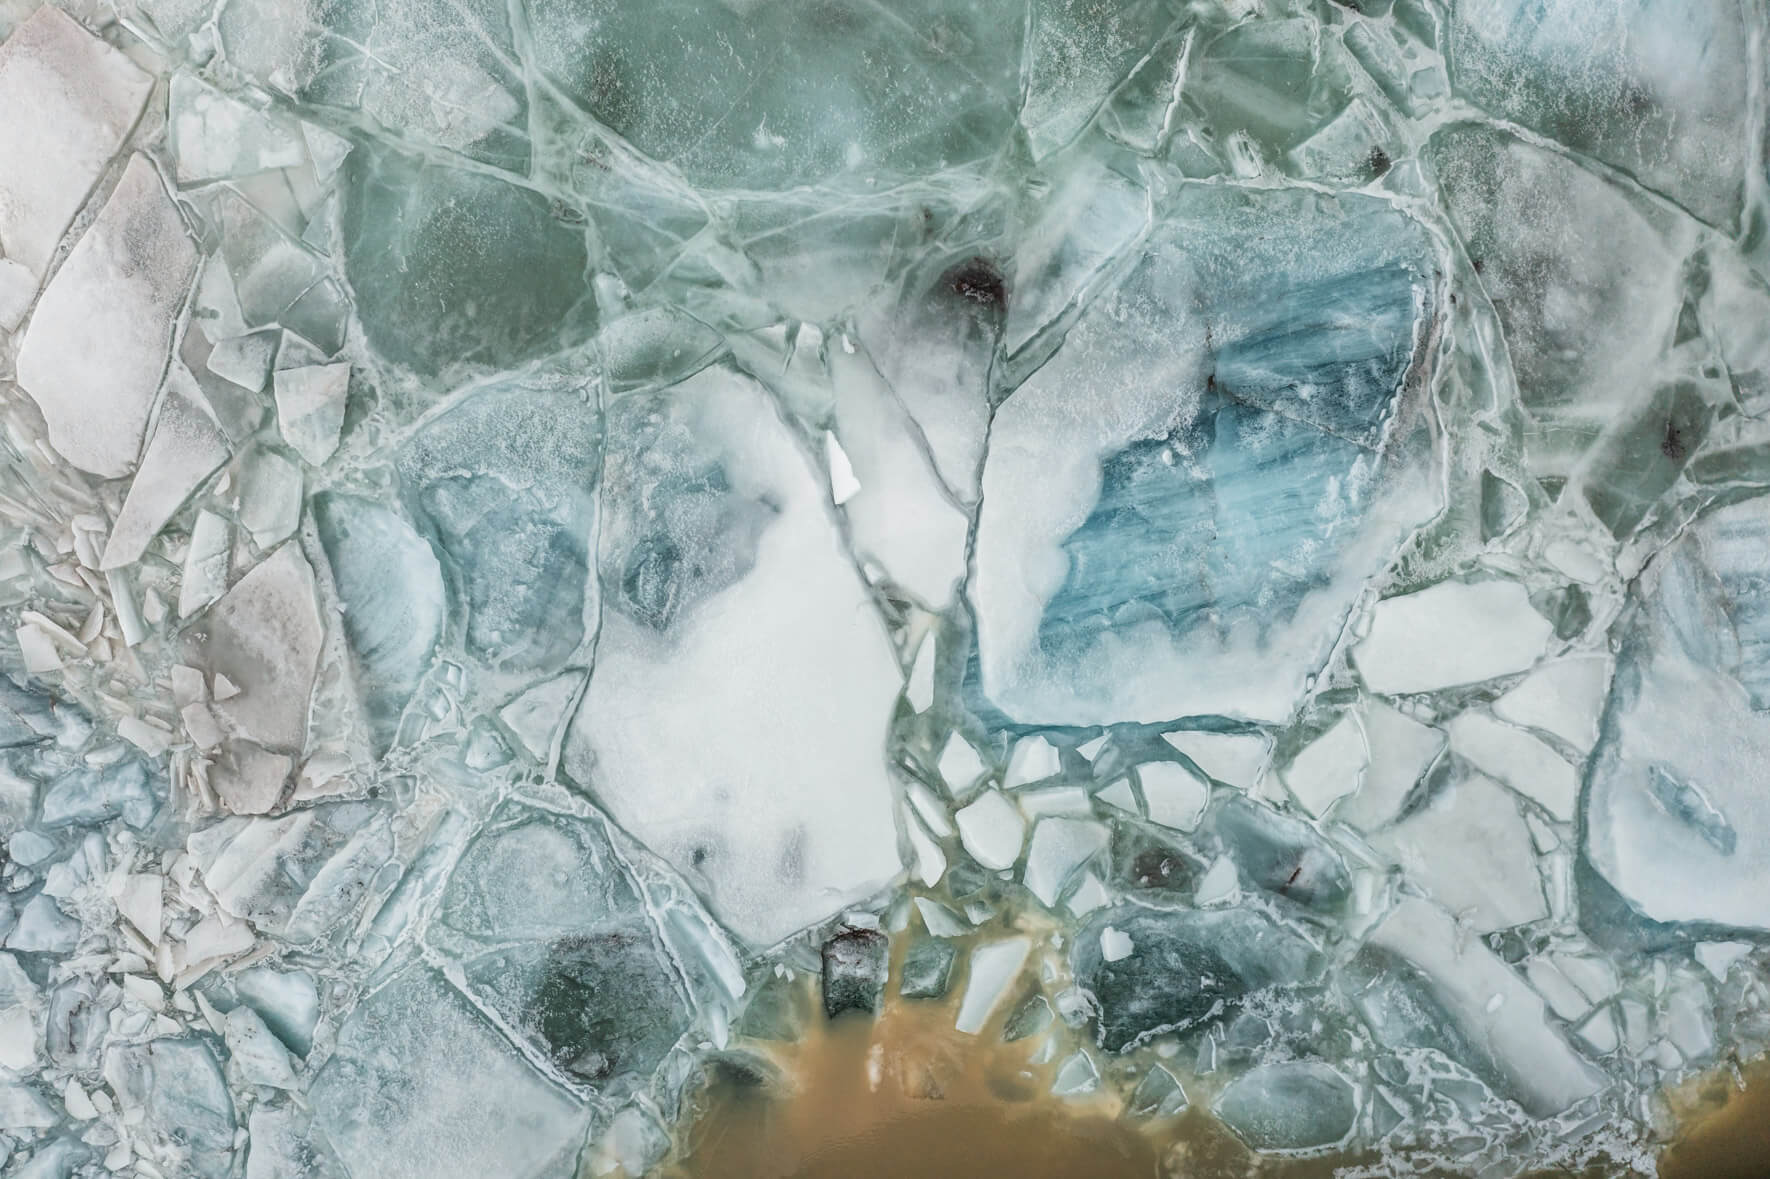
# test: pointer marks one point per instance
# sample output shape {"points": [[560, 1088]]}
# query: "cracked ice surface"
{"points": [[1229, 540]]}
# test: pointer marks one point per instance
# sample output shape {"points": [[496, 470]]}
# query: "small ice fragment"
{"points": [[1328, 768], [1235, 758], [97, 345], [993, 968], [1174, 797], [1115, 944], [1120, 795], [931, 810], [138, 898], [1718, 957], [1401, 750], [244, 360], [310, 408], [930, 859], [1076, 1076], [534, 716], [940, 920], [1034, 759], [270, 498], [256, 1052], [1451, 633], [1059, 848], [843, 485], [1517, 759], [991, 830], [960, 767], [1220, 884], [1563, 698], [205, 565]]}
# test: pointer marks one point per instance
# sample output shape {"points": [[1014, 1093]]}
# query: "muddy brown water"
{"points": [[904, 1096]]}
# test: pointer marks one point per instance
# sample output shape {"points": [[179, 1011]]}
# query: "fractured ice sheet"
{"points": [[1220, 548]]}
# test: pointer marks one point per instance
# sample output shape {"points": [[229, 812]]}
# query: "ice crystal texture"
{"points": [[1229, 539]]}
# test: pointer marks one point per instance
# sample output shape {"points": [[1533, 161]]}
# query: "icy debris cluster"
{"points": [[1225, 541]]}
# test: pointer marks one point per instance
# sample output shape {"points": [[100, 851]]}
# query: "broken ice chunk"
{"points": [[70, 100], [1034, 759], [188, 1117], [740, 659], [856, 962], [1562, 698], [1182, 966], [1292, 1106], [1234, 758], [185, 449], [536, 714], [1059, 849], [205, 564], [1449, 634], [297, 875], [421, 1087], [1172, 795], [270, 496], [1517, 759], [97, 345], [259, 1055], [1196, 484], [992, 830], [1330, 767], [992, 970], [310, 408], [503, 485], [1492, 879], [1674, 817], [1460, 999], [1401, 750], [1279, 853], [264, 635], [391, 586], [960, 767], [215, 136]]}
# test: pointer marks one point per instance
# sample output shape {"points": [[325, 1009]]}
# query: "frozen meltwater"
{"points": [[1220, 550]]}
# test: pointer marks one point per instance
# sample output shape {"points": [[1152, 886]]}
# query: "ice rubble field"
{"points": [[1233, 535]]}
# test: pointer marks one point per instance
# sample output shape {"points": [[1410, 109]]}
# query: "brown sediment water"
{"points": [[905, 1095], [1725, 1126]]}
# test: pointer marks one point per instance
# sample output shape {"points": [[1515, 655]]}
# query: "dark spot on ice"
{"points": [[1379, 161], [1477, 264], [1673, 445], [978, 280], [698, 856]]}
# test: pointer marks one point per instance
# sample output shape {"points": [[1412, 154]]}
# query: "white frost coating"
{"points": [[766, 710], [1517, 759], [1059, 848], [185, 448], [1172, 796], [96, 347], [1562, 698], [1490, 877], [1449, 634], [264, 635], [1546, 1074], [310, 408], [994, 967], [69, 99], [1329, 767], [992, 830]]}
